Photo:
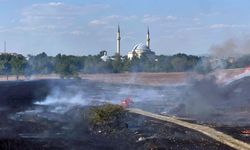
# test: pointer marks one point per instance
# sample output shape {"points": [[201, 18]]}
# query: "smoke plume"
{"points": [[209, 101], [231, 48]]}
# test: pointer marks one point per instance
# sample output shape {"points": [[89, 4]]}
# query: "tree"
{"points": [[94, 64], [41, 64], [5, 66], [243, 61], [18, 64], [117, 64], [183, 62], [67, 66], [126, 64], [163, 63], [203, 66]]}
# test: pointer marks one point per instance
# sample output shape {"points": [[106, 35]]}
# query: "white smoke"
{"points": [[58, 97], [89, 93]]}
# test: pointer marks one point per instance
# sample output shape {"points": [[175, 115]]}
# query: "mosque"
{"points": [[138, 50], [142, 50]]}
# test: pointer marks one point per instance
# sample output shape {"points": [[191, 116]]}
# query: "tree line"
{"points": [[72, 66]]}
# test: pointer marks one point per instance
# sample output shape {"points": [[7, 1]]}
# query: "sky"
{"points": [[85, 27]]}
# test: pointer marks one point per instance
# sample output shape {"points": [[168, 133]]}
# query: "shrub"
{"points": [[106, 114]]}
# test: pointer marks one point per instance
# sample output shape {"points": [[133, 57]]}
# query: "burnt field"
{"points": [[53, 114], [28, 131]]}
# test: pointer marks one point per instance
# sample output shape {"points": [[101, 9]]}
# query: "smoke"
{"points": [[61, 102], [204, 98], [232, 48], [207, 100], [201, 96], [68, 94], [208, 64], [225, 55]]}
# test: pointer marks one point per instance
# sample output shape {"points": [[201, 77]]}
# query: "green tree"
{"points": [[41, 64], [117, 64], [18, 64], [183, 62], [67, 66], [5, 66]]}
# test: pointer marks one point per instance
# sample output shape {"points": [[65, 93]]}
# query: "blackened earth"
{"points": [[24, 124], [71, 131]]}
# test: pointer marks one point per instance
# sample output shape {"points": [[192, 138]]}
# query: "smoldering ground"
{"points": [[210, 101], [58, 114], [61, 96], [202, 99], [58, 117]]}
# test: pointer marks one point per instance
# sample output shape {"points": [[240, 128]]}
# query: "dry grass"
{"points": [[139, 78], [154, 79]]}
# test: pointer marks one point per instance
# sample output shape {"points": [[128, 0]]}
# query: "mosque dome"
{"points": [[141, 47]]}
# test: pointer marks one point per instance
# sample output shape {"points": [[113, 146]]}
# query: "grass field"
{"points": [[154, 79]]}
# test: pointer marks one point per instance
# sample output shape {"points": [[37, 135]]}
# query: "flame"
{"points": [[127, 102], [245, 132], [222, 79], [247, 70]]}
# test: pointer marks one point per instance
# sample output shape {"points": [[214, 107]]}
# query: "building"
{"points": [[118, 41], [142, 50], [138, 50], [105, 56]]}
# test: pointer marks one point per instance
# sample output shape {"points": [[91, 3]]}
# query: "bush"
{"points": [[106, 114]]}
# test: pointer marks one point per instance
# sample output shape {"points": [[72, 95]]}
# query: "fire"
{"points": [[127, 102], [242, 74], [247, 70], [246, 131]]}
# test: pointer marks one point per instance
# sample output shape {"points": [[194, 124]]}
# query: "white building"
{"points": [[105, 56], [137, 51], [142, 50]]}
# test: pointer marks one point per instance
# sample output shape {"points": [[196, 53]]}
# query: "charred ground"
{"points": [[64, 125]]}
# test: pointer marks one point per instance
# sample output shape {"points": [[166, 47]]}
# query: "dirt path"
{"points": [[218, 136]]}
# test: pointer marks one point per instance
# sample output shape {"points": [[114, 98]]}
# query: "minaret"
{"points": [[148, 39], [118, 40]]}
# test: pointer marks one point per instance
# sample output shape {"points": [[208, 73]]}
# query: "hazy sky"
{"points": [[83, 27]]}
